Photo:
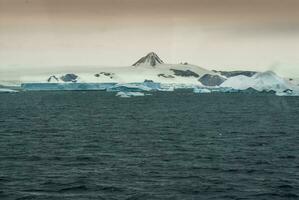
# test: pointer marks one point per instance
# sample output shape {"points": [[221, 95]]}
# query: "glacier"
{"points": [[233, 85], [66, 86], [263, 82], [201, 90]]}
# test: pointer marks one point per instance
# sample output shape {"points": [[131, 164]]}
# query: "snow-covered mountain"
{"points": [[151, 69]]}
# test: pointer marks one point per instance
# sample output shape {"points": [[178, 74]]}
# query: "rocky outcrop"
{"points": [[148, 81], [165, 76], [53, 79], [211, 80], [69, 78], [110, 75]]}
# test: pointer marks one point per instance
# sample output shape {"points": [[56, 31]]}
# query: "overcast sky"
{"points": [[45, 35]]}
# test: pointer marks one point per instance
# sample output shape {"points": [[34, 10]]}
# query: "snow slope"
{"points": [[160, 72]]}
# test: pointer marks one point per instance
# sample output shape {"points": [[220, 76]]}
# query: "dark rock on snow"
{"points": [[165, 76], [53, 77], [211, 80], [105, 74], [184, 73], [229, 74], [69, 78]]}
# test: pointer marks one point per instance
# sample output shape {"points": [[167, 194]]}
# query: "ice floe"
{"points": [[130, 94]]}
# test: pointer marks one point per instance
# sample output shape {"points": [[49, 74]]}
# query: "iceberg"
{"points": [[151, 84], [166, 88], [136, 87], [265, 81]]}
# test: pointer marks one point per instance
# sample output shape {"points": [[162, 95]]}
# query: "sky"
{"points": [[52, 35]]}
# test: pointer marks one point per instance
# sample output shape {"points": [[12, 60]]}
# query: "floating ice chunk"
{"points": [[201, 90], [166, 88], [151, 84], [130, 87], [223, 89], [130, 94], [184, 86], [288, 93], [4, 90]]}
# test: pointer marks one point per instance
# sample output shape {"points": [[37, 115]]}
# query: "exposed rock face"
{"points": [[186, 73], [110, 75], [229, 74], [165, 76], [211, 80], [151, 59], [69, 78], [53, 79], [148, 81], [107, 74]]}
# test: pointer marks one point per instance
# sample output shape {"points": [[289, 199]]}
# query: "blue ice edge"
{"points": [[110, 87], [133, 89]]}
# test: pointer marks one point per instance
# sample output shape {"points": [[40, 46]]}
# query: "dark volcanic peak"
{"points": [[151, 59]]}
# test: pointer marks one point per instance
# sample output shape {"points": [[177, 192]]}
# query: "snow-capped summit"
{"points": [[151, 59]]}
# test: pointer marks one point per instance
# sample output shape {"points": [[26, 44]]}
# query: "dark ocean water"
{"points": [[180, 145]]}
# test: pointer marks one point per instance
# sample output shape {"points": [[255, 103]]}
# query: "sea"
{"points": [[78, 145]]}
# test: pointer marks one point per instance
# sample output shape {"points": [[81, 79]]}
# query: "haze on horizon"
{"points": [[44, 35]]}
